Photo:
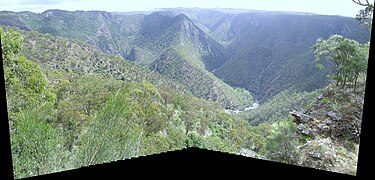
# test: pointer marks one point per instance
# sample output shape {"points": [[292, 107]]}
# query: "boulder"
{"points": [[301, 117]]}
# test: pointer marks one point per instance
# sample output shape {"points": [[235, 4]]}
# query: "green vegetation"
{"points": [[200, 81], [77, 119], [279, 106], [282, 143], [364, 16], [346, 57], [273, 54], [78, 102], [60, 53]]}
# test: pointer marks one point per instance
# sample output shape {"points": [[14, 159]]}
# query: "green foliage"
{"points": [[259, 135], [282, 143], [111, 135], [364, 16], [325, 101], [111, 34], [36, 145], [218, 144], [275, 54], [25, 81], [279, 106], [155, 143], [189, 71], [346, 57], [194, 140], [72, 105]]}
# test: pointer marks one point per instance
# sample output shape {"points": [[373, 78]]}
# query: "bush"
{"points": [[282, 145], [37, 147]]}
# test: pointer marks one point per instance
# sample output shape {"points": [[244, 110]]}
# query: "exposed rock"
{"points": [[328, 122], [322, 153], [250, 153], [301, 117], [305, 132], [314, 113], [320, 97], [301, 127], [316, 155], [336, 116], [323, 127]]}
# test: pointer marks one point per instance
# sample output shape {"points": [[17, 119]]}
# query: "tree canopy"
{"points": [[346, 57], [365, 15]]}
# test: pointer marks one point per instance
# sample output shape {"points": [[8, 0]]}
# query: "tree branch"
{"points": [[362, 4]]}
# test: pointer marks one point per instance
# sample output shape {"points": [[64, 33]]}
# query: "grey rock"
{"points": [[323, 126], [316, 155], [336, 116], [301, 127], [300, 117], [328, 122], [247, 152], [314, 113], [320, 97], [305, 132]]}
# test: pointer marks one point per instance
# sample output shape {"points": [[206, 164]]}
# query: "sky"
{"points": [[325, 7]]}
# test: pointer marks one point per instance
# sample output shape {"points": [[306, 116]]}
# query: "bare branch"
{"points": [[362, 4]]}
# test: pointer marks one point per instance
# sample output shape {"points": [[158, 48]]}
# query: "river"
{"points": [[248, 108]]}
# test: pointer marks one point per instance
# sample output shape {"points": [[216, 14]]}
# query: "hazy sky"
{"points": [[327, 7]]}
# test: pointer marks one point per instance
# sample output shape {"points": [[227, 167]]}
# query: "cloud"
{"points": [[29, 2], [42, 2]]}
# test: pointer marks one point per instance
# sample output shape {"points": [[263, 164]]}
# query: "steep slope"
{"points": [[274, 52], [68, 109], [160, 32], [141, 39], [173, 65], [60, 53], [98, 28], [270, 51], [263, 52], [330, 130], [53, 52]]}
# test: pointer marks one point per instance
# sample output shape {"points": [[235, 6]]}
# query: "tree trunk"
{"points": [[355, 83], [138, 142]]}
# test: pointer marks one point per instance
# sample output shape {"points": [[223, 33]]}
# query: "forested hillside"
{"points": [[90, 87], [150, 36], [60, 53], [263, 52], [77, 118], [274, 52], [270, 52]]}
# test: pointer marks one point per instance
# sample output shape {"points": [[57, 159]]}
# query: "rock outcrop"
{"points": [[330, 131]]}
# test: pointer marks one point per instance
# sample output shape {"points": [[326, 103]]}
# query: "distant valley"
{"points": [[263, 52], [90, 87]]}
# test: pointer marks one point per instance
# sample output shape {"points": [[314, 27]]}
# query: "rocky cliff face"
{"points": [[331, 131]]}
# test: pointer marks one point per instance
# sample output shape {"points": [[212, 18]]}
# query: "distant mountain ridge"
{"points": [[263, 52], [271, 51], [143, 41]]}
